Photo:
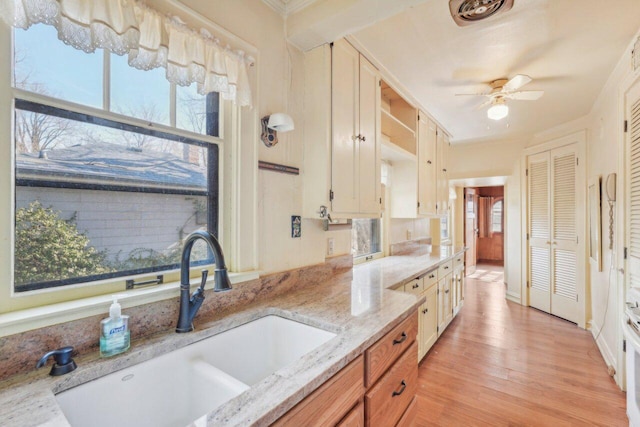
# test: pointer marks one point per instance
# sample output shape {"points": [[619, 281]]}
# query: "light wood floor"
{"points": [[501, 364]]}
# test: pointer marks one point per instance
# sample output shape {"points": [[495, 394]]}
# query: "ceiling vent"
{"points": [[466, 12]]}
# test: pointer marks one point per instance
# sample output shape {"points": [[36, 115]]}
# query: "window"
{"points": [[365, 237], [496, 217], [113, 166], [444, 228]]}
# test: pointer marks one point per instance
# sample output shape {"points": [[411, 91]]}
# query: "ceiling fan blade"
{"points": [[525, 95], [484, 104], [516, 83]]}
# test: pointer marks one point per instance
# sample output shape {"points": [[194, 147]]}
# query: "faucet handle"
{"points": [[63, 361], [205, 275]]}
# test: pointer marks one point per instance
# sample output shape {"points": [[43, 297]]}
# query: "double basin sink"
{"points": [[181, 387]]}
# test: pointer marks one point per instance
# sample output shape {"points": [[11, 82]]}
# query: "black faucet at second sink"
{"points": [[189, 306]]}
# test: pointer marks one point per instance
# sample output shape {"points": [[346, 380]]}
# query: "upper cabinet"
{"points": [[342, 127], [427, 166], [352, 121], [442, 149]]}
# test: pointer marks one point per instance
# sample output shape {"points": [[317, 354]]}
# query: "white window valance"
{"points": [[149, 38]]}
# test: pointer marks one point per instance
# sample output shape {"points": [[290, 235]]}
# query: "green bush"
{"points": [[50, 248]]}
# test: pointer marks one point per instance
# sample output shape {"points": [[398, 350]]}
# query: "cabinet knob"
{"points": [[416, 286], [431, 276], [425, 311], [428, 162], [363, 138]]}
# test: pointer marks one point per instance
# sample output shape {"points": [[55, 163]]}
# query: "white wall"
{"points": [[280, 88]]}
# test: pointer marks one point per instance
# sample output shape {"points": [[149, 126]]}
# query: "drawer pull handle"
{"points": [[416, 286], [399, 392], [431, 276], [401, 340], [425, 311], [447, 291], [446, 267]]}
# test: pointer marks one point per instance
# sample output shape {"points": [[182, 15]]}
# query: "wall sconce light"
{"points": [[271, 125]]}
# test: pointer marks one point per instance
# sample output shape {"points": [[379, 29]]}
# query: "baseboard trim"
{"points": [[513, 297], [605, 351]]}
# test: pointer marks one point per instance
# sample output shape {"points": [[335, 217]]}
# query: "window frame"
{"points": [[237, 201], [498, 200], [371, 255]]}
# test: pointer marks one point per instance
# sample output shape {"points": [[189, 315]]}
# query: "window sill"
{"points": [[40, 317]]}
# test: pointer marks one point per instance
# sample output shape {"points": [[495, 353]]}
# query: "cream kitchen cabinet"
{"points": [[427, 166], [341, 169], [425, 286], [445, 308], [442, 192], [458, 283]]}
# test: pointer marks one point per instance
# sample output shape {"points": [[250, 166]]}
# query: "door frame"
{"points": [[580, 139]]}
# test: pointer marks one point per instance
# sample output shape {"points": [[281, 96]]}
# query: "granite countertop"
{"points": [[359, 307]]}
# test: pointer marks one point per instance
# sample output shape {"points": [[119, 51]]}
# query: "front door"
{"points": [[470, 229]]}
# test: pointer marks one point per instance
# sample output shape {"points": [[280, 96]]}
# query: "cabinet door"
{"points": [[369, 144], [448, 300], [442, 151], [442, 317], [429, 319], [345, 114], [427, 169]]}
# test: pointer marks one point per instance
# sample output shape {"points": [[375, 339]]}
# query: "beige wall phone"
{"points": [[610, 191]]}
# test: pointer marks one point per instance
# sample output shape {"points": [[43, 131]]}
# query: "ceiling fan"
{"points": [[503, 89]]}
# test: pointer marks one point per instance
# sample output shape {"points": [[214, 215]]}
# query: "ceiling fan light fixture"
{"points": [[498, 111]]}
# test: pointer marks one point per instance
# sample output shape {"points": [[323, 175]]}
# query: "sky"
{"points": [[76, 76]]}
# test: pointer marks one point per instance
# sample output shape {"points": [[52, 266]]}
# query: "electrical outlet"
{"points": [[408, 234], [330, 242]]}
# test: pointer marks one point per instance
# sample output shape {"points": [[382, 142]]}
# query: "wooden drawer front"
{"points": [[389, 398], [444, 269], [331, 402], [415, 286], [430, 278], [409, 417], [355, 418], [383, 353], [458, 261]]}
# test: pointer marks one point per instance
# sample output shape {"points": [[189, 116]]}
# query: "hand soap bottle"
{"points": [[114, 331]]}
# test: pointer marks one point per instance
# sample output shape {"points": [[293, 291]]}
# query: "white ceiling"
{"points": [[568, 47]]}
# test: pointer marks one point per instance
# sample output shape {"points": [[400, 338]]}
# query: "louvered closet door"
{"points": [[564, 241], [633, 178], [553, 232], [539, 232]]}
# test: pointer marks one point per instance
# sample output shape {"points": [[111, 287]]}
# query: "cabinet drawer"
{"points": [[355, 418], [389, 398], [409, 416], [329, 403], [383, 353], [415, 286], [430, 278], [444, 269], [458, 261]]}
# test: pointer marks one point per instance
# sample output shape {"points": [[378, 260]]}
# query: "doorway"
{"points": [[484, 226]]}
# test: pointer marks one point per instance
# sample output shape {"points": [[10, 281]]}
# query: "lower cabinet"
{"points": [[443, 290], [322, 408], [376, 389], [428, 321], [355, 418]]}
